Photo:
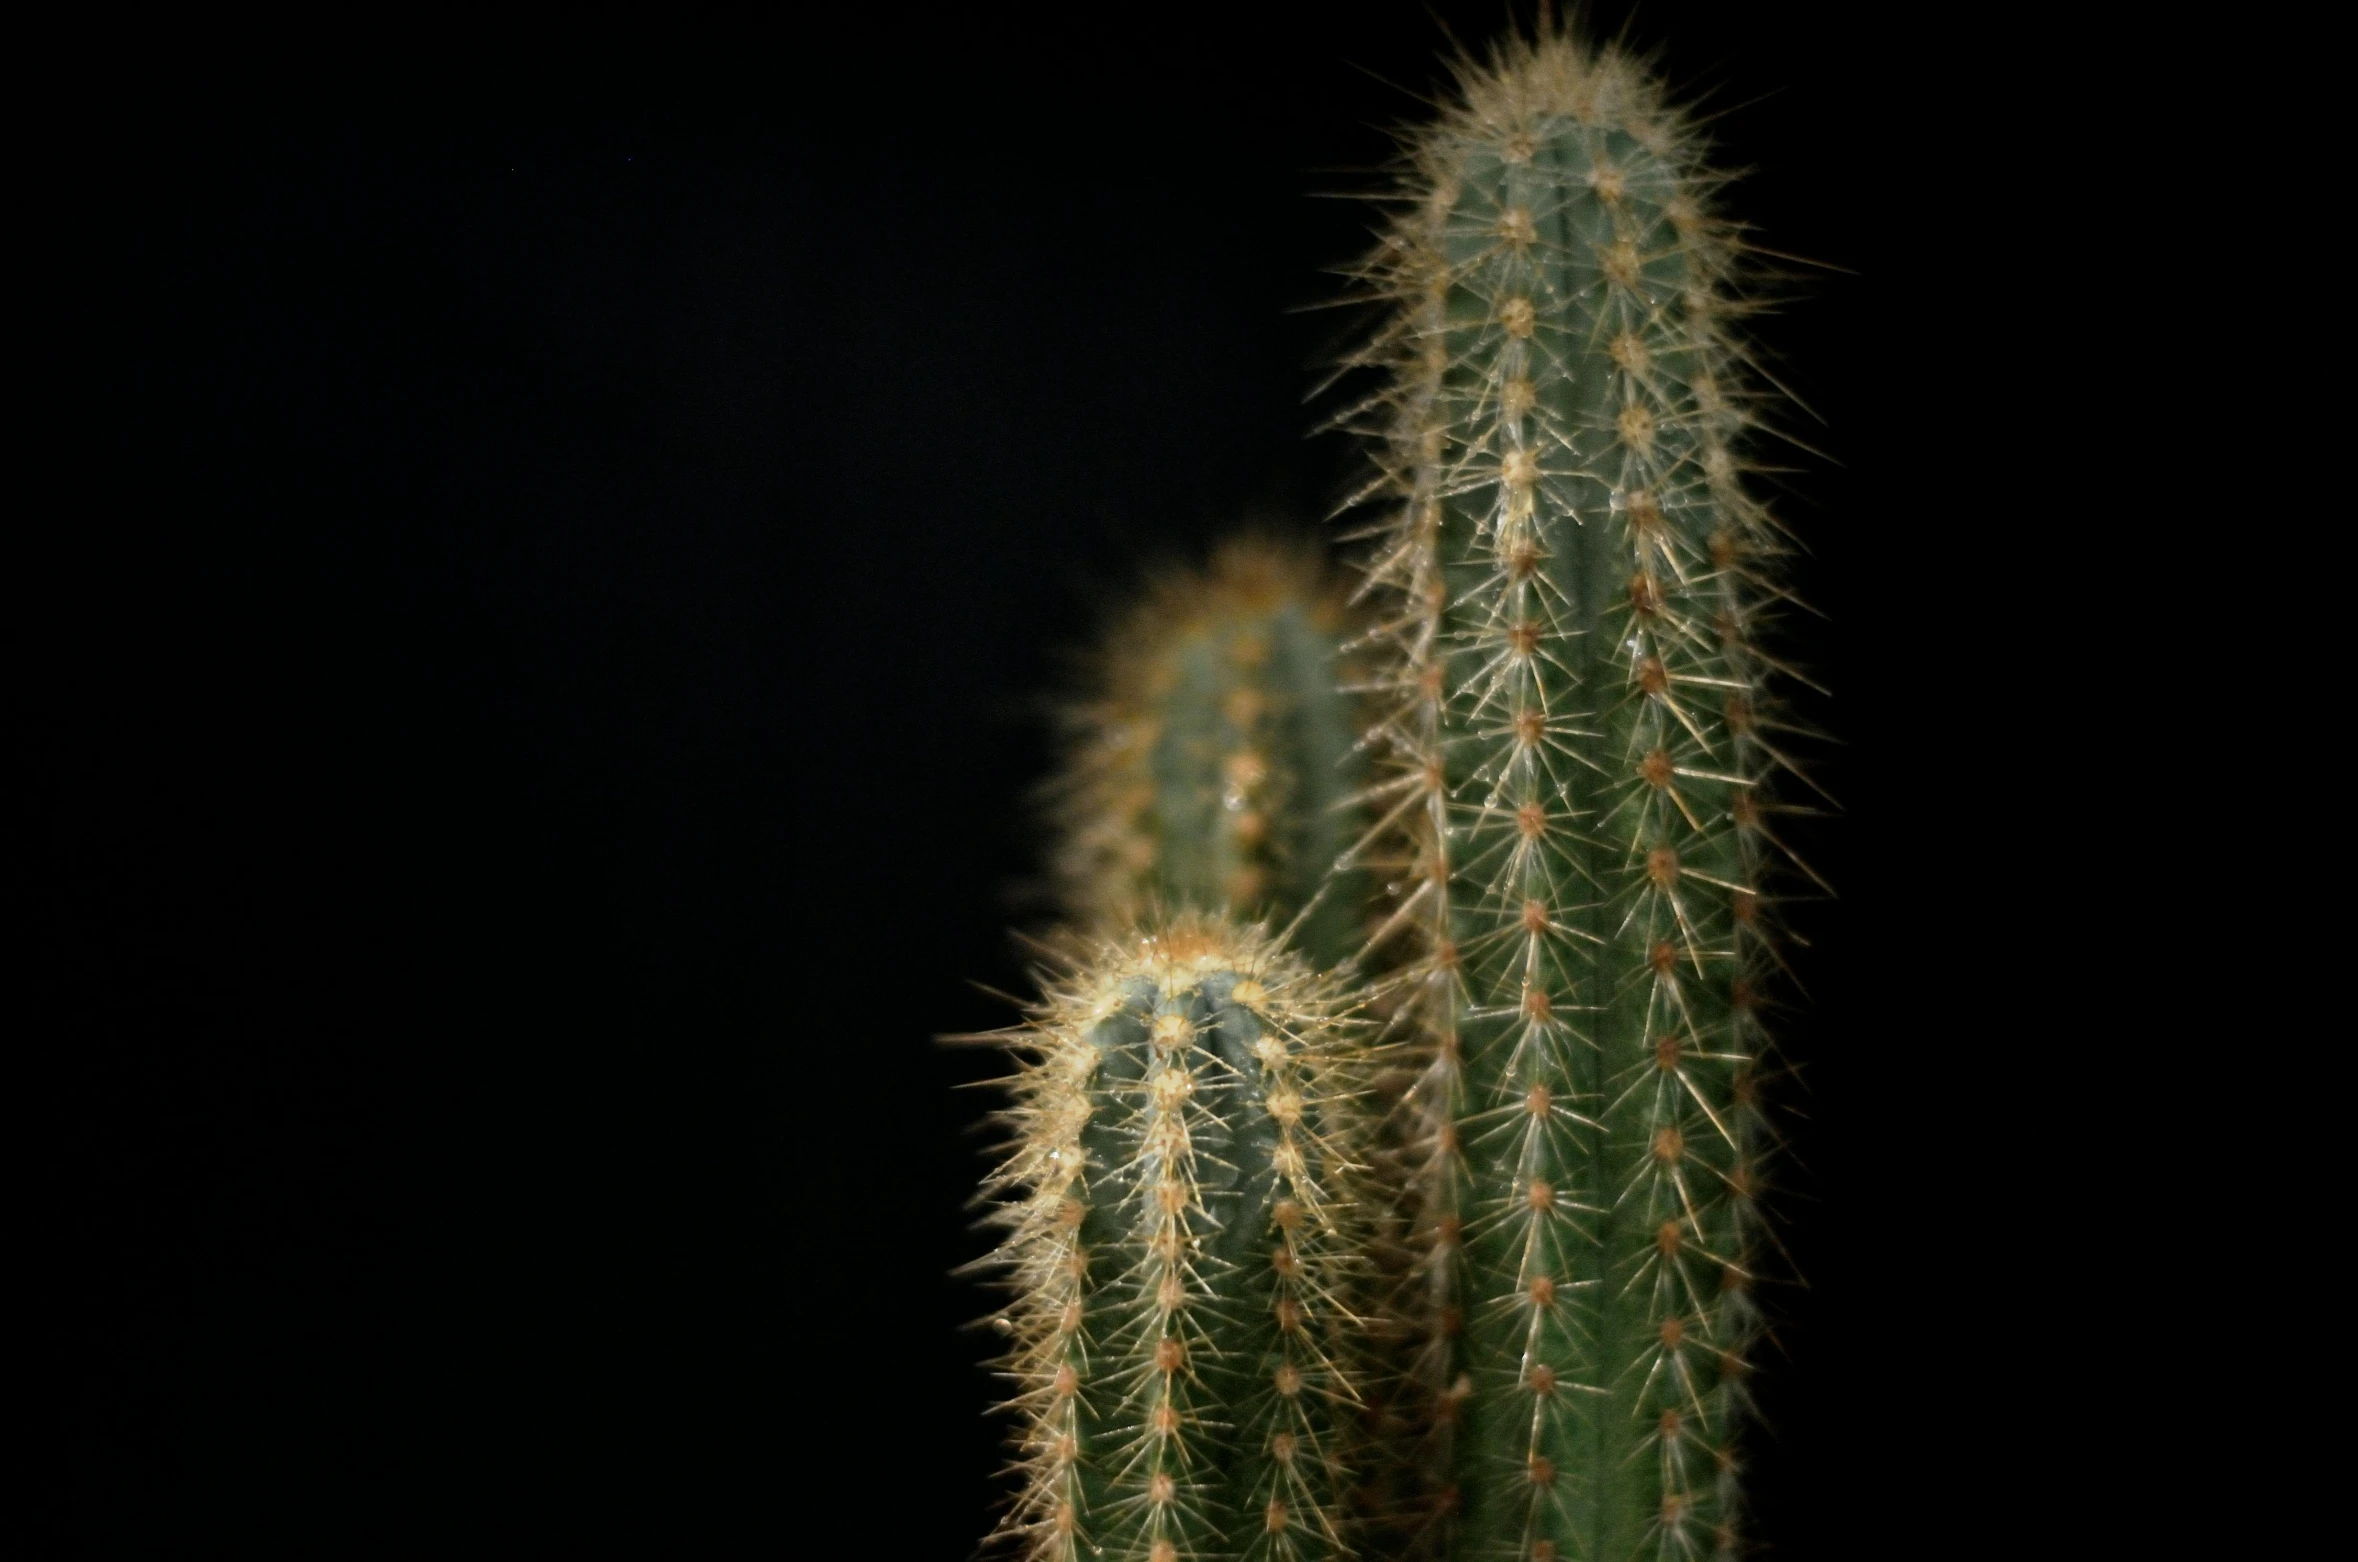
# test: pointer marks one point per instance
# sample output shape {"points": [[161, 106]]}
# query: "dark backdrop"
{"points": [[528, 687]]}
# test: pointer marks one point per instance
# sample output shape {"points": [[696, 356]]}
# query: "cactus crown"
{"points": [[1179, 1244]]}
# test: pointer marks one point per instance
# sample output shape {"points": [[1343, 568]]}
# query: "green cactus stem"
{"points": [[1177, 1241], [1573, 580], [1213, 767]]}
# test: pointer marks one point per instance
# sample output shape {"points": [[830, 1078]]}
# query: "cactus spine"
{"points": [[1214, 765], [1573, 584], [1177, 1239]]}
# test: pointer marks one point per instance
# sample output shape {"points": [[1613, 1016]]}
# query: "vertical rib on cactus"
{"points": [[1573, 581], [1213, 768], [1177, 1244]]}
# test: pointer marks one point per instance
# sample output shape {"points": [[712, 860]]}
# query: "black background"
{"points": [[529, 685]]}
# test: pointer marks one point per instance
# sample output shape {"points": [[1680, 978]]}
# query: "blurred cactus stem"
{"points": [[1212, 765]]}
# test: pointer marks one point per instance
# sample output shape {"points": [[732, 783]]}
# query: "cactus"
{"points": [[1178, 1243], [1573, 583], [1213, 764], [1572, 814]]}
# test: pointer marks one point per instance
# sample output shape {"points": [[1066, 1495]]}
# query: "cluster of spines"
{"points": [[1213, 763], [1180, 1250], [1576, 743]]}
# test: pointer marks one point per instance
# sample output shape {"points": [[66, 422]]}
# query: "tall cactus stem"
{"points": [[1572, 800], [1178, 1243]]}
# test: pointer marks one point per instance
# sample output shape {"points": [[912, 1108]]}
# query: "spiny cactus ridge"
{"points": [[1212, 766], [1178, 1241], [1572, 581]]}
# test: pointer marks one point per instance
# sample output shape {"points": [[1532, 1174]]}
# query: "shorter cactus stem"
{"points": [[1178, 1248]]}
